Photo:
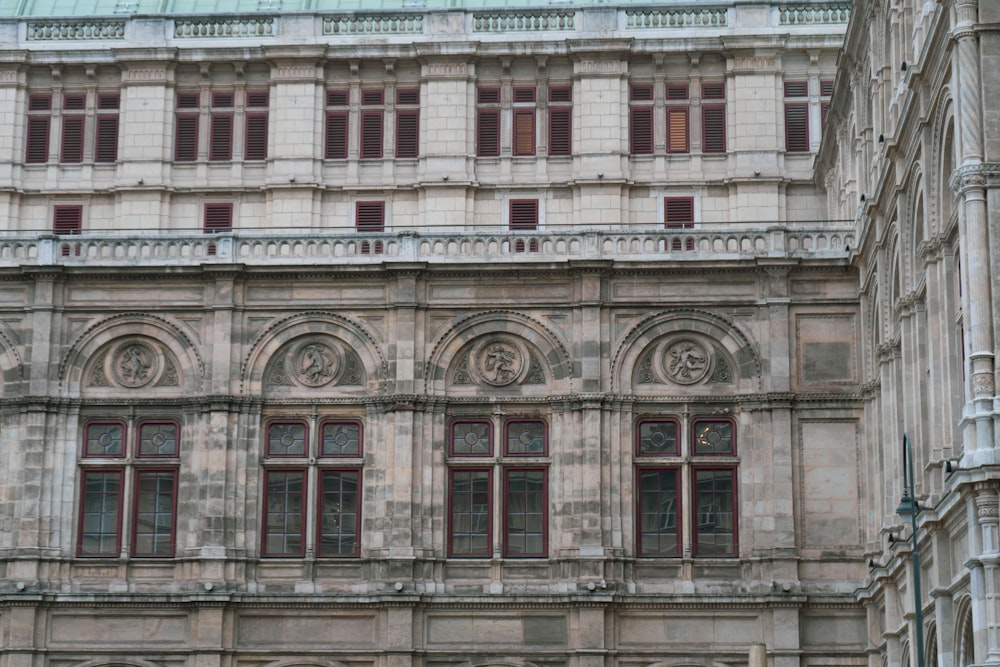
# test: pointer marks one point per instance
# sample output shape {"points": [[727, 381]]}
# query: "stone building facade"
{"points": [[454, 336]]}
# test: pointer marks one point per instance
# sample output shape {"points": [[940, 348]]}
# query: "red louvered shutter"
{"points": [[407, 132], [524, 131], [796, 88], [37, 140], [336, 135], [372, 98], [488, 96], [560, 94], [678, 137], [797, 128], [679, 212], [72, 139], [371, 134], [257, 99], [524, 214], [641, 130], [106, 140], [218, 218], [713, 91], [336, 98], [221, 136], [560, 130], [640, 93], [713, 128], [408, 97], [488, 133], [67, 220], [825, 88], [370, 216], [186, 138], [524, 95], [256, 136], [677, 91]]}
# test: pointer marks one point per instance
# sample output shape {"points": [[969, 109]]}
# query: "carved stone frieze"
{"points": [[135, 364], [314, 362], [687, 361], [499, 361]]}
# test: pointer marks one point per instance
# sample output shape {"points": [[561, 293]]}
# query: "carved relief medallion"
{"points": [[686, 361], [499, 361], [135, 364], [315, 364]]}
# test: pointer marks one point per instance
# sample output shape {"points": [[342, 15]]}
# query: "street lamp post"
{"points": [[908, 507]]}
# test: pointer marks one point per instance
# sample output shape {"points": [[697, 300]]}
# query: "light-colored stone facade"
{"points": [[177, 405]]}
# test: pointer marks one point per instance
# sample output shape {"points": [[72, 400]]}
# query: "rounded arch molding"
{"points": [[716, 328], [352, 333], [164, 331], [11, 365], [131, 662], [556, 360]]}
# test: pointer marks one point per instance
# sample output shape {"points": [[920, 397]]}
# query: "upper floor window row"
{"points": [[374, 112], [72, 127], [221, 125], [508, 119], [645, 137]]}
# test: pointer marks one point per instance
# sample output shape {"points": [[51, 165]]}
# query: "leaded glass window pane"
{"points": [[526, 438], [341, 438], [471, 438], [104, 439], [158, 439], [286, 439]]}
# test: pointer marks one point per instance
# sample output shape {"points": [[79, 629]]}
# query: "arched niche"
{"points": [[688, 351], [498, 352], [314, 351], [132, 354]]}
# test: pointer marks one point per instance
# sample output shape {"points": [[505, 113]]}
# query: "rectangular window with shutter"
{"points": [[560, 120], [713, 118], [336, 125], [220, 147], [74, 107], [38, 127], [186, 127], [407, 122], [106, 137], [523, 138], [678, 135], [218, 218], [372, 123], [825, 91], [67, 219], [523, 214], [369, 216], [488, 122], [255, 146], [679, 212], [641, 119], [797, 127]]}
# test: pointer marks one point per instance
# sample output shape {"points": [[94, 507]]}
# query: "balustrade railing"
{"points": [[318, 248], [76, 30], [677, 18], [814, 14], [224, 27], [374, 24]]}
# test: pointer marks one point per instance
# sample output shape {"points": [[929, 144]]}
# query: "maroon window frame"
{"points": [[336, 135], [678, 212], [67, 220], [657, 437], [220, 147], [372, 122], [157, 439], [796, 88], [255, 140], [39, 122], [100, 526], [104, 439], [218, 218], [71, 150], [641, 130], [470, 515], [678, 130], [526, 437], [154, 515], [284, 512], [369, 216], [658, 511], [677, 91], [338, 533], [407, 133], [713, 128], [797, 127], [713, 437], [524, 132], [286, 438], [488, 132], [106, 138], [523, 214], [714, 511], [525, 512], [560, 120], [471, 437], [186, 122], [341, 438]]}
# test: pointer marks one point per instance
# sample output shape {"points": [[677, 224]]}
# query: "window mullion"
{"points": [[499, 483], [685, 494]]}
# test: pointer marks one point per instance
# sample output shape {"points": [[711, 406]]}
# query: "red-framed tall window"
{"points": [[488, 121], [146, 456], [640, 99], [517, 511], [560, 120], [74, 109], [407, 122], [312, 478], [523, 124], [39, 125], [713, 117], [796, 116], [678, 119], [255, 135], [702, 457], [186, 122], [372, 123], [220, 139], [218, 217], [337, 124]]}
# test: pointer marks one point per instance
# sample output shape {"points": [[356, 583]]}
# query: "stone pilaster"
{"points": [[986, 586]]}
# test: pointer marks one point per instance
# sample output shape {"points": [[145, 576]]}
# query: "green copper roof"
{"points": [[27, 8]]}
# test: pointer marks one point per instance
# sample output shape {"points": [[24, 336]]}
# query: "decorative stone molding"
{"points": [[75, 31], [496, 22], [219, 27], [133, 363], [677, 18], [313, 362], [499, 361], [374, 24]]}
